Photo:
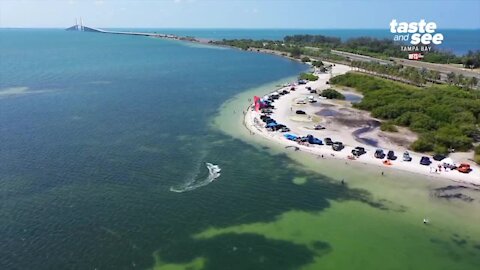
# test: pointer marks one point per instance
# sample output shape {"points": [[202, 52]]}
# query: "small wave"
{"points": [[19, 91], [213, 173]]}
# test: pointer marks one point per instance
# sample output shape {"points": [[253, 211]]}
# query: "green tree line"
{"points": [[414, 75], [319, 45], [445, 117]]}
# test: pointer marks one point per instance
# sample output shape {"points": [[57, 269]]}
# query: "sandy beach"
{"points": [[350, 126]]}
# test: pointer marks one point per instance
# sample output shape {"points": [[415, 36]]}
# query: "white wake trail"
{"points": [[213, 173]]}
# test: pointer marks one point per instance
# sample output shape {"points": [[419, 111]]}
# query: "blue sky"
{"points": [[237, 14]]}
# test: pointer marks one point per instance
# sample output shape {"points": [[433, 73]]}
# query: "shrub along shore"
{"points": [[446, 117]]}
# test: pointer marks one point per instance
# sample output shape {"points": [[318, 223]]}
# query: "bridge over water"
{"points": [[82, 28]]}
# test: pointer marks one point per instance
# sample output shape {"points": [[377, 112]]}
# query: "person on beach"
{"points": [[383, 173]]}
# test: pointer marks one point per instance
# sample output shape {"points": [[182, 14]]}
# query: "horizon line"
{"points": [[217, 28]]}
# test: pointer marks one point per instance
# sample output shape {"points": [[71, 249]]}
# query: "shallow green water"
{"points": [[381, 229]]}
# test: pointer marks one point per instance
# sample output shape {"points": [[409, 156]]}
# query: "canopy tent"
{"points": [[257, 103]]}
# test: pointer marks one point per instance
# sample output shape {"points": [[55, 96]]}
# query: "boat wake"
{"points": [[194, 183]]}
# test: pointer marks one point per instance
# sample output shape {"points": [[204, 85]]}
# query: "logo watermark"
{"points": [[419, 36]]}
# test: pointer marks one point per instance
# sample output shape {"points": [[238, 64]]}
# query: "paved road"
{"points": [[442, 68]]}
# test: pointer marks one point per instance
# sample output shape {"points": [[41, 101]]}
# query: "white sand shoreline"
{"points": [[284, 113]]}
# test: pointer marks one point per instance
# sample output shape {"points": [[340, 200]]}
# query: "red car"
{"points": [[464, 168]]}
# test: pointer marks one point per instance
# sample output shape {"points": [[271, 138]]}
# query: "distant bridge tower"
{"points": [[82, 28], [81, 24], [78, 26]]}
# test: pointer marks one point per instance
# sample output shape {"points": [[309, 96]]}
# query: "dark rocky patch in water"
{"points": [[452, 192], [460, 196], [320, 245], [246, 251], [392, 206], [459, 241]]}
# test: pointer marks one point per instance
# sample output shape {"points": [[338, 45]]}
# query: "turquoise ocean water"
{"points": [[97, 130]]}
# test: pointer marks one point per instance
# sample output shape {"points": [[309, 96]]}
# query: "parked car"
{"points": [[308, 88], [302, 81], [284, 129], [337, 146], [313, 91], [313, 140], [438, 157], [300, 112], [425, 161], [277, 127], [301, 102], [391, 155], [271, 126], [270, 120], [267, 111], [290, 137], [464, 168], [406, 156], [358, 151], [379, 154], [319, 127], [265, 119], [328, 141]]}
